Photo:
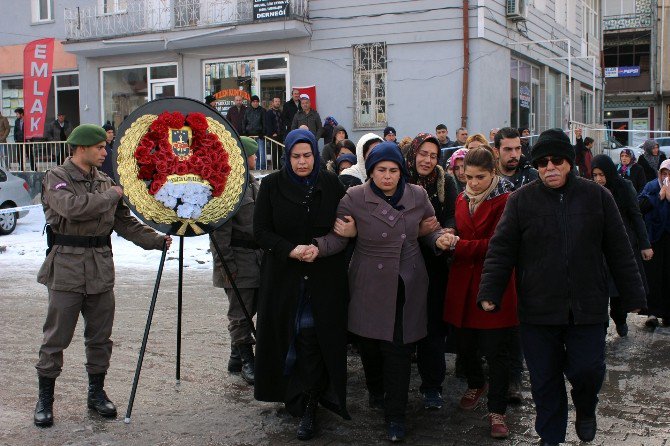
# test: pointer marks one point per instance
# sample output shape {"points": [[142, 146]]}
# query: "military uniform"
{"points": [[82, 209], [243, 257], [81, 279]]}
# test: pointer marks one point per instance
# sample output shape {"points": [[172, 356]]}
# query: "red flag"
{"points": [[309, 91], [37, 69]]}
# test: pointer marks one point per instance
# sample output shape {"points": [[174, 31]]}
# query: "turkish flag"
{"points": [[37, 70], [311, 92]]}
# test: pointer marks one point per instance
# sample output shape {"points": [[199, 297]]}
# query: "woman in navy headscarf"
{"points": [[301, 342]]}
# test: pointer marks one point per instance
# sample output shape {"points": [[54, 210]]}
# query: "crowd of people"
{"points": [[499, 251], [502, 252]]}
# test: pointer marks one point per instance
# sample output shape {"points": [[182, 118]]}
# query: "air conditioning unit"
{"points": [[516, 10]]}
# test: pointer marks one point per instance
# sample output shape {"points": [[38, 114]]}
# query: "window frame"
{"points": [[373, 79], [36, 11]]}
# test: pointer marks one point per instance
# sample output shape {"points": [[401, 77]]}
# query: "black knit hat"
{"points": [[553, 142]]}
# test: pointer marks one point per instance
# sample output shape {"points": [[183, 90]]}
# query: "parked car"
{"points": [[613, 148], [14, 192]]}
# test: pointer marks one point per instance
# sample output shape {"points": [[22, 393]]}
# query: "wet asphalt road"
{"points": [[211, 407]]}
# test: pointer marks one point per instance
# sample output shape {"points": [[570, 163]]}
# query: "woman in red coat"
{"points": [[478, 210]]}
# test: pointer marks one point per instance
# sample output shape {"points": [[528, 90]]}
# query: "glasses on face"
{"points": [[555, 160], [425, 154]]}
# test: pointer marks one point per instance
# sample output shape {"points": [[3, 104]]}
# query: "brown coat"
{"points": [[244, 263], [4, 128], [387, 247], [75, 204]]}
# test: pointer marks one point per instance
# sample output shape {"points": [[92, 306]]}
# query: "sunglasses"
{"points": [[555, 160]]}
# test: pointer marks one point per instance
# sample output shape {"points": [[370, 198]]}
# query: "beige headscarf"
{"points": [[475, 199]]}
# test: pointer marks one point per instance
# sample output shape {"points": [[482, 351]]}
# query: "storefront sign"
{"points": [[37, 69], [270, 9], [226, 98], [622, 71]]}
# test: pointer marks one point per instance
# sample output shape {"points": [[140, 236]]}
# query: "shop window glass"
{"points": [[272, 63], [123, 91], [225, 80], [68, 80], [163, 72], [640, 113], [12, 97]]}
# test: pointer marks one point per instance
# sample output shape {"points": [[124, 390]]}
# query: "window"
{"points": [[587, 106], [590, 22], [626, 50], [42, 10], [113, 6], [619, 7], [370, 85]]}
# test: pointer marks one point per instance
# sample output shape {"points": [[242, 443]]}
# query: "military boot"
{"points": [[235, 361], [44, 409], [97, 398], [247, 354], [307, 424]]}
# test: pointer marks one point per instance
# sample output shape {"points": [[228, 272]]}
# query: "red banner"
{"points": [[37, 68]]}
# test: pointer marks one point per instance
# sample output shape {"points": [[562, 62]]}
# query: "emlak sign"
{"points": [[37, 71]]}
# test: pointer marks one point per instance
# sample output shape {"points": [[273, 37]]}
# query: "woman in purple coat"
{"points": [[388, 282]]}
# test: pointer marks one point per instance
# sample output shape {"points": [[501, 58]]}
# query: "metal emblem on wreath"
{"points": [[181, 166]]}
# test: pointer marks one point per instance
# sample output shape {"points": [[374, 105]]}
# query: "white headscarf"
{"points": [[358, 169]]}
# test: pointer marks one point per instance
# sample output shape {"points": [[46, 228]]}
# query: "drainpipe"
{"points": [[466, 63]]}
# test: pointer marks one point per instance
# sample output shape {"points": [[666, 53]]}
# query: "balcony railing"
{"points": [[148, 16], [627, 21]]}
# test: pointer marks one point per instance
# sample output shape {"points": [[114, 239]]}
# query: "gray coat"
{"points": [[387, 247], [244, 261]]}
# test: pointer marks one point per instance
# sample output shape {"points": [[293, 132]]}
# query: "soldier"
{"points": [[243, 256], [82, 206]]}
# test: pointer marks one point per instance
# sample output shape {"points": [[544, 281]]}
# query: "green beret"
{"points": [[249, 145], [87, 135]]}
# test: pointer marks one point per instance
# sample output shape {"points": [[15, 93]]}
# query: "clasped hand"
{"points": [[447, 241], [304, 253]]}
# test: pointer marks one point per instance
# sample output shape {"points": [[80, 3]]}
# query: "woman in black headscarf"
{"points": [[302, 333], [605, 173], [651, 159], [425, 171]]}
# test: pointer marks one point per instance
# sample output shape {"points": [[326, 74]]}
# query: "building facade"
{"points": [[532, 63], [632, 92]]}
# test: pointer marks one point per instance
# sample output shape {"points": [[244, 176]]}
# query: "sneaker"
{"points": [[514, 393], [432, 399], [471, 397], [395, 432], [498, 425]]}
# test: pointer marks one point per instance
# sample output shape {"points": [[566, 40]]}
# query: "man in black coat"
{"points": [[555, 233], [289, 110]]}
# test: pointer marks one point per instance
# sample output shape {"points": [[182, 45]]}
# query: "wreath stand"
{"points": [[152, 306]]}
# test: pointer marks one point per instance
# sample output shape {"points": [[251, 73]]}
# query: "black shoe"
{"points": [[586, 428], [652, 321], [307, 424], [44, 409], [546, 443], [247, 355], [376, 401], [235, 361], [432, 400], [97, 398], [514, 395], [622, 329], [395, 432]]}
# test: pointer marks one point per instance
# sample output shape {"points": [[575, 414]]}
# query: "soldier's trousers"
{"points": [[62, 314], [238, 327]]}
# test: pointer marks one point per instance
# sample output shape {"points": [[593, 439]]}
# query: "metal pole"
{"points": [[147, 327], [593, 88], [236, 291], [570, 84], [180, 284]]}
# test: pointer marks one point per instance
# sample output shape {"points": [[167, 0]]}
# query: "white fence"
{"points": [[33, 156]]}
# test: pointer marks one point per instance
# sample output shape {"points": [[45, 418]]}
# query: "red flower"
{"points": [[197, 122], [181, 168], [165, 146], [163, 167], [206, 171], [195, 165], [208, 141], [155, 186], [146, 172]]}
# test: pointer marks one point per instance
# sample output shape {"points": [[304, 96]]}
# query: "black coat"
{"points": [[649, 172], [282, 221], [556, 240], [288, 111], [254, 121], [18, 129], [636, 176]]}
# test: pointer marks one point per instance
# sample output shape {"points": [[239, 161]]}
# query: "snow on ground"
{"points": [[26, 246]]}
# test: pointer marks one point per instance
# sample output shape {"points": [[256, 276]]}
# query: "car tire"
{"points": [[8, 221]]}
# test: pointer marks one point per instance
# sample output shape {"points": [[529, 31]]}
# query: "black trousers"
{"points": [[576, 351], [515, 357], [430, 359], [309, 365], [617, 313], [494, 344], [388, 365], [658, 278]]}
